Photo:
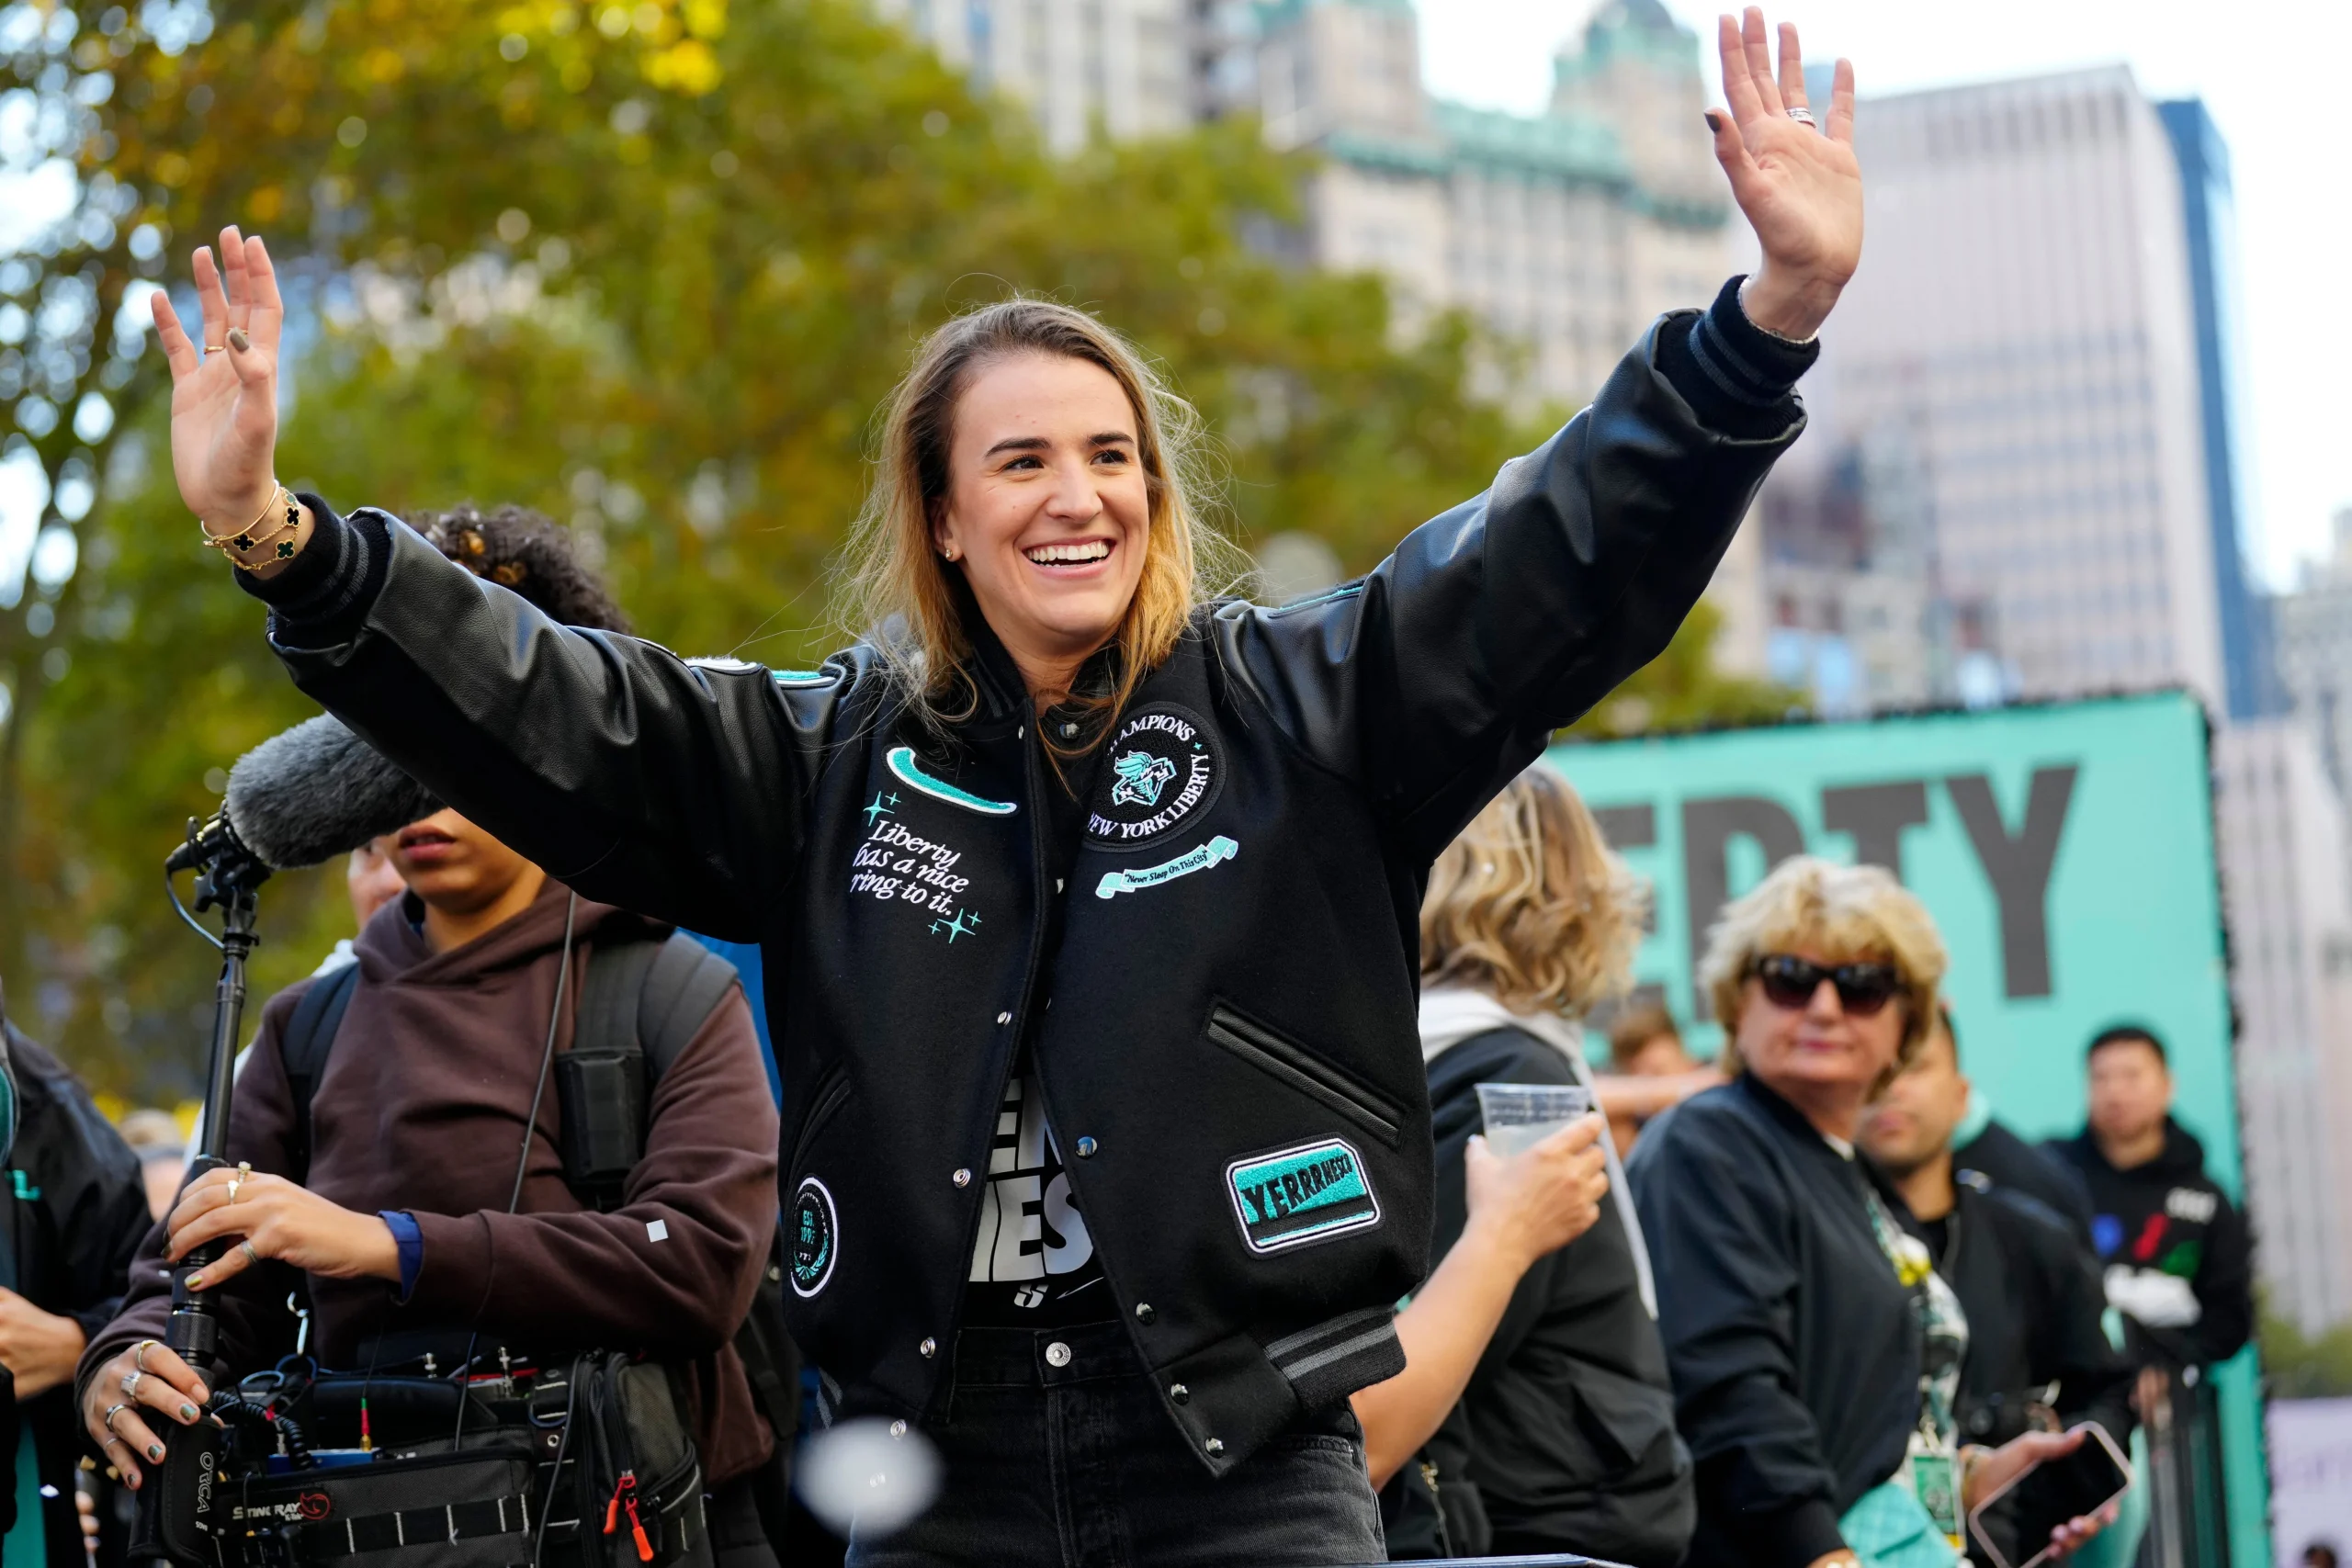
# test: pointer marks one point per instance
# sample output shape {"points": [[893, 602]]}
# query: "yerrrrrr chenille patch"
{"points": [[1307, 1194]]}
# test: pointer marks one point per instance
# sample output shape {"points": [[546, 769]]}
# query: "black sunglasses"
{"points": [[1791, 982]]}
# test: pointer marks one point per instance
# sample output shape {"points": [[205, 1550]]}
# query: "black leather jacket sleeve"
{"points": [[1443, 674], [678, 788], [669, 786]]}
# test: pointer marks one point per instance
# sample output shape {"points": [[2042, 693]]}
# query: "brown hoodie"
{"points": [[422, 1108]]}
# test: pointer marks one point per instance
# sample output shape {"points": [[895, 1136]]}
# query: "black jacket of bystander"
{"points": [[1793, 1346], [1564, 1440]]}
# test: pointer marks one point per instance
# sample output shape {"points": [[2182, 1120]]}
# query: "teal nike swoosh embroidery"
{"points": [[902, 763]]}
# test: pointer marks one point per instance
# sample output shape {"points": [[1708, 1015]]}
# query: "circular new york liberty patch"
{"points": [[814, 1238], [1161, 770]]}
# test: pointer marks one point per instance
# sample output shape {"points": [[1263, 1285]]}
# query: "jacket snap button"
{"points": [[1144, 1313], [1004, 1018], [1215, 1444], [897, 1429], [1069, 730], [775, 1275], [963, 1178], [1178, 1393], [1058, 1354], [929, 1347], [1086, 1147]]}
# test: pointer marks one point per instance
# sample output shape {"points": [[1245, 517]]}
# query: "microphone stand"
{"points": [[229, 877]]}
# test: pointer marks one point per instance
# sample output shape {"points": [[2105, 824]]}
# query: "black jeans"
{"points": [[1078, 1466]]}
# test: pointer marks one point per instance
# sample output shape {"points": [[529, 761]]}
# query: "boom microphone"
{"points": [[315, 792]]}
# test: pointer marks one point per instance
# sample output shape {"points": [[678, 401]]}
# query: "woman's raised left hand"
{"points": [[277, 1219], [1800, 186]]}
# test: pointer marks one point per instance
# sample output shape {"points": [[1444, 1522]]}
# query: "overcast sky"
{"points": [[2272, 72]]}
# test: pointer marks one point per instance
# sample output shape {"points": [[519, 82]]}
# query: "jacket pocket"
{"points": [[1308, 1073], [833, 1091]]}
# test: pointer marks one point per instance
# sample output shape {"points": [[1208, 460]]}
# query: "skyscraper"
{"points": [[2280, 830], [2209, 208], [2024, 339], [1566, 231], [1126, 65]]}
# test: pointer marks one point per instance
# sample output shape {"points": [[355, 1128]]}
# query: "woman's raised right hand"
{"points": [[224, 403], [165, 1384], [1540, 1200]]}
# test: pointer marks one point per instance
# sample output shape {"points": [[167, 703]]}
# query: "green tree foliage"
{"points": [[650, 268], [2299, 1366]]}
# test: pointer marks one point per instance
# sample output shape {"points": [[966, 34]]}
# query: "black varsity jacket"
{"points": [[1224, 1030]]}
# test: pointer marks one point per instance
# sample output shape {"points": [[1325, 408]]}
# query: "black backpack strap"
{"points": [[683, 987], [601, 1080], [310, 1035], [641, 1004]]}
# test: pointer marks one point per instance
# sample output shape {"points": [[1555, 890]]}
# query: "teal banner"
{"points": [[2066, 852]]}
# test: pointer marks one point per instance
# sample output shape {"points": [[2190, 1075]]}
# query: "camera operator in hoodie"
{"points": [[2178, 1262], [422, 1203], [1535, 1383], [1087, 899]]}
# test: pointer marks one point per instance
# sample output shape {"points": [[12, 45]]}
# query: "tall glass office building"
{"points": [[2208, 206]]}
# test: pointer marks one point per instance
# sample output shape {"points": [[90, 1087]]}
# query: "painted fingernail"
{"points": [[195, 1281], [187, 1412], [155, 1450], [238, 339]]}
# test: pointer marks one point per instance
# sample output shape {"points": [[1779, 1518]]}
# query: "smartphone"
{"points": [[2052, 1493]]}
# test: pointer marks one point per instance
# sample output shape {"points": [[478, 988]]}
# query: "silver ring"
{"points": [[1802, 116], [138, 1353], [131, 1381], [251, 1256], [234, 1183], [107, 1419]]}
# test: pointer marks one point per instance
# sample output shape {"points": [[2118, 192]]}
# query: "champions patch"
{"points": [[1297, 1195], [1160, 769], [816, 1238]]}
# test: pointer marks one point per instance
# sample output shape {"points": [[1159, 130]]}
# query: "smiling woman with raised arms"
{"points": [[1089, 900]]}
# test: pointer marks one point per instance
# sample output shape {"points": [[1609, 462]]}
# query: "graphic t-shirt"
{"points": [[1032, 1261]]}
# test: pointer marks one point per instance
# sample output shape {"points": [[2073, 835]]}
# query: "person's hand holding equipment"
{"points": [[277, 1219], [1795, 177], [1538, 1201], [145, 1378], [224, 407]]}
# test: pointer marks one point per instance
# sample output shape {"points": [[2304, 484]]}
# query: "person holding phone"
{"points": [[1815, 1352], [2038, 1356]]}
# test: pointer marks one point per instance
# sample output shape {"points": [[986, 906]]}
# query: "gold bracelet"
{"points": [[234, 545]]}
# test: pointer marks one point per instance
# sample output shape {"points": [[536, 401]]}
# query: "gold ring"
{"points": [[138, 1353], [234, 1183], [216, 348]]}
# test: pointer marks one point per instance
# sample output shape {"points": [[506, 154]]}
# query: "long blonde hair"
{"points": [[894, 589], [1529, 906]]}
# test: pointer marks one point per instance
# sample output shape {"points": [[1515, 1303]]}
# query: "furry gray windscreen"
{"points": [[318, 791]]}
